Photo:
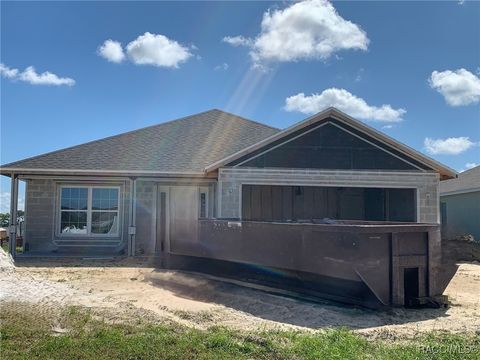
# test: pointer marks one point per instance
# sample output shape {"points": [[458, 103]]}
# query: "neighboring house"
{"points": [[329, 204], [460, 205]]}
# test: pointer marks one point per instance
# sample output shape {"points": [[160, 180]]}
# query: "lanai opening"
{"points": [[319, 203]]}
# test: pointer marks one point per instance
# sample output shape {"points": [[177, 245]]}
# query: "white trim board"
{"points": [[59, 236], [9, 171], [459, 192], [227, 174]]}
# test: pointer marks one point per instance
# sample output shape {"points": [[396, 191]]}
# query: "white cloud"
{"points": [[112, 51], [223, 67], [344, 101], [449, 146], [468, 166], [310, 29], [30, 76], [157, 50], [46, 78], [459, 87], [7, 72], [359, 75], [5, 202], [237, 40]]}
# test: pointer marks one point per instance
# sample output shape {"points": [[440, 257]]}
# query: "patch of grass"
{"points": [[198, 316], [5, 247], [30, 333]]}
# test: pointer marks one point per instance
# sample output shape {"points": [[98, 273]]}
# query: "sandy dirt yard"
{"points": [[195, 300]]}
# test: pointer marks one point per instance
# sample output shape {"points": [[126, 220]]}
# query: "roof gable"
{"points": [[331, 113], [328, 144]]}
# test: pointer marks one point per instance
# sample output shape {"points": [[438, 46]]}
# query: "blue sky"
{"points": [[255, 59]]}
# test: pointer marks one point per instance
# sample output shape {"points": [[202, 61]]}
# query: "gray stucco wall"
{"points": [[462, 215], [230, 181]]}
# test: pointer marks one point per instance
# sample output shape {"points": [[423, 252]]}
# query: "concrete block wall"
{"points": [[428, 202], [230, 181], [41, 217], [229, 199], [39, 214], [126, 216], [145, 217], [146, 211]]}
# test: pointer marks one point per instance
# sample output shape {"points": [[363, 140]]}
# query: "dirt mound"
{"points": [[6, 262], [462, 249]]}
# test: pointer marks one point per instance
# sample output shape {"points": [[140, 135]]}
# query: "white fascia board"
{"points": [[45, 171]]}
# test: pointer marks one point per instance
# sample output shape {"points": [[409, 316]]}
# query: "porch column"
{"points": [[12, 229]]}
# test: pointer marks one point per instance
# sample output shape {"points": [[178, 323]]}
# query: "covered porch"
{"points": [[43, 231], [357, 236]]}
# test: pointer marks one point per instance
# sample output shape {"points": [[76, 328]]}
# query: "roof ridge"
{"points": [[106, 138], [246, 119]]}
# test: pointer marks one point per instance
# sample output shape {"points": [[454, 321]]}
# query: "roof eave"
{"points": [[8, 171], [459, 191]]}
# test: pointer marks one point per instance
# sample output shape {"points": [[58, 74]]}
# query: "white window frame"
{"points": [[203, 190], [89, 212]]}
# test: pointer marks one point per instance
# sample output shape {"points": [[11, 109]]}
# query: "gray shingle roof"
{"points": [[467, 181], [188, 144]]}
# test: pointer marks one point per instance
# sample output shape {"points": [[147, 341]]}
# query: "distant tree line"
{"points": [[5, 218]]}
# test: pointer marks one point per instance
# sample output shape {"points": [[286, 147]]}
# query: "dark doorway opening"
{"points": [[410, 286], [161, 221]]}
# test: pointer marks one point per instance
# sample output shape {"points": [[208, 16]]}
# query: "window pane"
{"points": [[203, 205], [74, 198], [73, 222], [104, 222], [104, 199]]}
